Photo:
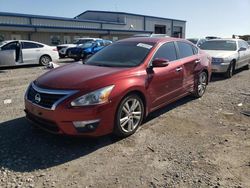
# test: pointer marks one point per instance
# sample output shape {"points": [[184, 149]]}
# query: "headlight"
{"points": [[99, 96], [217, 60]]}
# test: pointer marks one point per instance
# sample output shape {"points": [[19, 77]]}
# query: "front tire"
{"points": [[230, 71], [129, 116], [61, 55], [247, 66], [44, 60], [200, 85]]}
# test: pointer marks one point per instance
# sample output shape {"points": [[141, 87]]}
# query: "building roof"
{"points": [[125, 13], [54, 18]]}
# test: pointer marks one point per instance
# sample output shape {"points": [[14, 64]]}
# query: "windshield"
{"points": [[81, 41], [86, 45], [194, 41], [2, 43], [225, 45], [121, 54]]}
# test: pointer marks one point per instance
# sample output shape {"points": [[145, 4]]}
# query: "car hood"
{"points": [[220, 53], [77, 76]]}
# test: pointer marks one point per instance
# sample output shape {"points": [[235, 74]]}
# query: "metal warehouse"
{"points": [[102, 24]]}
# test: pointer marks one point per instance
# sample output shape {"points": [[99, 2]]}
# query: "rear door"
{"points": [[165, 82], [31, 52], [189, 57], [8, 54]]}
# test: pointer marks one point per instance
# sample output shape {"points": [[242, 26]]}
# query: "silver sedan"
{"points": [[227, 55], [20, 52]]}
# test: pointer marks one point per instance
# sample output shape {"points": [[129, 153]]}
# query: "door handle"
{"points": [[178, 69], [197, 61]]}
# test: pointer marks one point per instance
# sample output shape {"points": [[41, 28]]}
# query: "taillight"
{"points": [[55, 49]]}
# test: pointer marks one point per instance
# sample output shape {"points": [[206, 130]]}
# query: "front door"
{"points": [[10, 54], [165, 83]]}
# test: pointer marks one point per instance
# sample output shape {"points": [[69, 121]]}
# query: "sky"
{"points": [[221, 18]]}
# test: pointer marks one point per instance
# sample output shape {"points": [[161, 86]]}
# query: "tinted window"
{"points": [[185, 49], [10, 46], [166, 51], [29, 45], [226, 45], [194, 41], [121, 54]]}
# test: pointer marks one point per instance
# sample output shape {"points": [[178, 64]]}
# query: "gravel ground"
{"points": [[190, 143]]}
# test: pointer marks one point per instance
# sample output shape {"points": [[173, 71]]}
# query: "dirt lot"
{"points": [[191, 143]]}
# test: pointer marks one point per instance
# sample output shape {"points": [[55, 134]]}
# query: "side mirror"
{"points": [[160, 62], [242, 49]]}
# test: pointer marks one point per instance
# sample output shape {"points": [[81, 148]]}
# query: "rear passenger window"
{"points": [[29, 45], [166, 51], [185, 49]]}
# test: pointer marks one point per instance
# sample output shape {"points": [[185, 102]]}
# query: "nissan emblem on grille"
{"points": [[37, 98]]}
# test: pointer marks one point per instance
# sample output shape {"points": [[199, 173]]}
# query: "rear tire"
{"points": [[129, 116], [77, 59], [230, 71], [247, 67], [45, 60], [200, 85]]}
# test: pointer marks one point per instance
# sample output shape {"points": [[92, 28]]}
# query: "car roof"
{"points": [[151, 39], [223, 39]]}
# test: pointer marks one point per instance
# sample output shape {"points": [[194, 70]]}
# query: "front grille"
{"points": [[45, 100], [43, 123]]}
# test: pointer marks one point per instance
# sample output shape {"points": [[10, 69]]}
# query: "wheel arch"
{"points": [[141, 95], [43, 56]]}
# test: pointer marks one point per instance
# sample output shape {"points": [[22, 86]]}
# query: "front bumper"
{"points": [[62, 119], [220, 68]]}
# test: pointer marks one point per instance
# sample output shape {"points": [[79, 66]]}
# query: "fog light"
{"points": [[86, 126]]}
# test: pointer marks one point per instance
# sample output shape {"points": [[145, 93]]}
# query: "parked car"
{"points": [[63, 48], [117, 87], [20, 52], [197, 41], [87, 49], [248, 42], [227, 55]]}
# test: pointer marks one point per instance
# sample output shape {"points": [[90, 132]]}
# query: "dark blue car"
{"points": [[87, 49]]}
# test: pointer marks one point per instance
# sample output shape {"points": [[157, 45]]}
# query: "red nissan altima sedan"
{"points": [[114, 90]]}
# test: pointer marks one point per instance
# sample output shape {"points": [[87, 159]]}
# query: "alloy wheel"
{"points": [[202, 83], [130, 115], [45, 60]]}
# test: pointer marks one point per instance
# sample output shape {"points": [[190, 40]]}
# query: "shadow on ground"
{"points": [[25, 149], [220, 77], [4, 68]]}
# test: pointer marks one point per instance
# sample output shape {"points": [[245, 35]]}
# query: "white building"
{"points": [[103, 24]]}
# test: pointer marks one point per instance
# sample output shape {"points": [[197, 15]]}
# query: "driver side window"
{"points": [[166, 51], [10, 46]]}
